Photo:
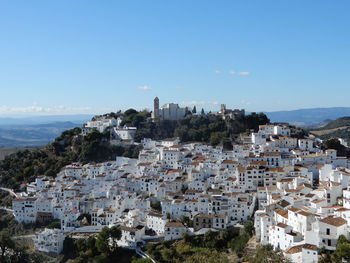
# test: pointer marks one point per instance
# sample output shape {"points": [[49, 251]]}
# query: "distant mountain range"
{"points": [[32, 135], [35, 120], [36, 130], [306, 117]]}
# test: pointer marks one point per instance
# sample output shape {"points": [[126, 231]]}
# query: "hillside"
{"points": [[339, 128], [5, 151], [338, 123], [71, 146]]}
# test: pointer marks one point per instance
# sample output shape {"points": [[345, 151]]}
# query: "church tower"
{"points": [[223, 108], [156, 108]]}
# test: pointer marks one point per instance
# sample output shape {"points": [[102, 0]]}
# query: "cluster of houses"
{"points": [[297, 193], [117, 131]]}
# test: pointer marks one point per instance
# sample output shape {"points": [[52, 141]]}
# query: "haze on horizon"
{"points": [[89, 57]]}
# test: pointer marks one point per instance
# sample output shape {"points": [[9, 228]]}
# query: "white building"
{"points": [[49, 241], [100, 125], [124, 133], [174, 230], [329, 230], [305, 253], [131, 236], [170, 111], [24, 210], [156, 222]]}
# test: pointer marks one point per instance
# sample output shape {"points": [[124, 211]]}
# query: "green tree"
{"points": [[249, 228], [115, 234], [7, 245], [187, 112], [194, 110], [156, 206], [335, 144], [186, 221], [130, 112], [102, 242], [107, 240], [342, 252], [91, 245], [168, 254], [217, 138], [267, 254]]}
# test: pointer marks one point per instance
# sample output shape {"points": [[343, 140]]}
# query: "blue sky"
{"points": [[67, 57]]}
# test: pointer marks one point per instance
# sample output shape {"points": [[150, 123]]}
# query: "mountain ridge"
{"points": [[302, 117]]}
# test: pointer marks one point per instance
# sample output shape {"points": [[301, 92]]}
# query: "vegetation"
{"points": [[341, 122], [267, 254], [54, 224], [6, 199], [157, 206], [336, 145], [210, 247], [186, 221], [70, 147], [201, 128], [341, 254], [343, 133], [102, 248], [339, 128], [11, 252], [134, 118], [297, 132], [9, 223]]}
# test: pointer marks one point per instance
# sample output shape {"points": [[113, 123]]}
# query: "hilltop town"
{"points": [[295, 192]]}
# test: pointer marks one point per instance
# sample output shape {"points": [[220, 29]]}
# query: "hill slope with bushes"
{"points": [[24, 166], [71, 146], [339, 128]]}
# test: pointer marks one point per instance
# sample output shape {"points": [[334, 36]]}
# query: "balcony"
{"points": [[328, 236]]}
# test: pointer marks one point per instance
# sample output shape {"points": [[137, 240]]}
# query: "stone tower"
{"points": [[156, 108], [223, 108]]}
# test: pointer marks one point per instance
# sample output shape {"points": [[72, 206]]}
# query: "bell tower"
{"points": [[156, 108], [223, 108]]}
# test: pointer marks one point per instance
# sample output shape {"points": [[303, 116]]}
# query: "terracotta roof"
{"points": [[281, 212], [318, 201], [282, 225], [174, 224], [298, 249], [229, 162], [334, 221], [304, 213], [293, 209]]}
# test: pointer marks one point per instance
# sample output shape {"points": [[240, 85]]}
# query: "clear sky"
{"points": [[68, 57]]}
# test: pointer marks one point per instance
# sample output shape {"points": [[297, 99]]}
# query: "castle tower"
{"points": [[223, 108], [156, 108]]}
